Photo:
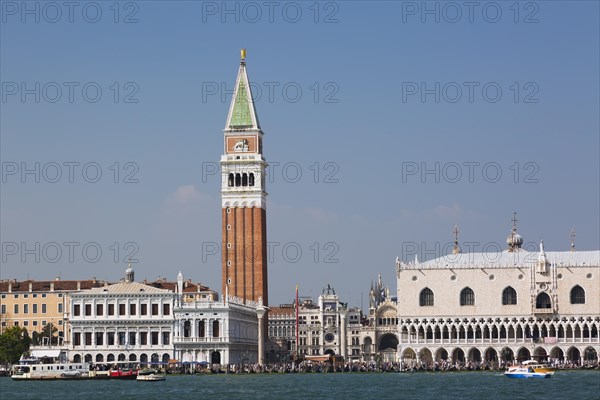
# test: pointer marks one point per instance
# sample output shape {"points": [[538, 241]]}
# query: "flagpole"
{"points": [[297, 308]]}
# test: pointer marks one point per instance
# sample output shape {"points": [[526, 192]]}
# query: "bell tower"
{"points": [[243, 198]]}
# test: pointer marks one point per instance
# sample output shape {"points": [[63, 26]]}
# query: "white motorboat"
{"points": [[526, 372], [150, 375]]}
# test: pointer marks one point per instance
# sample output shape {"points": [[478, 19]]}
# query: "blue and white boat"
{"points": [[526, 372]]}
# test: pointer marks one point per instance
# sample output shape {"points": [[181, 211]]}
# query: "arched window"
{"points": [[577, 295], [467, 297], [426, 297], [230, 180], [251, 179], [543, 301], [509, 296], [244, 179], [238, 179]]}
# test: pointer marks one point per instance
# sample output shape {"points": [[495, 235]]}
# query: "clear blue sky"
{"points": [[363, 117]]}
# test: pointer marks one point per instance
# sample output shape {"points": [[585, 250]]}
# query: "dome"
{"points": [[514, 240], [129, 274]]}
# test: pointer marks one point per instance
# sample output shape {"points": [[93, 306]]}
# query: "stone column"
{"points": [[343, 334], [260, 312]]}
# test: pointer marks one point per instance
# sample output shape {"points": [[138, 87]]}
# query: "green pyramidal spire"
{"points": [[242, 114]]}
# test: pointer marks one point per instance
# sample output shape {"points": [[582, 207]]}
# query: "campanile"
{"points": [[243, 198]]}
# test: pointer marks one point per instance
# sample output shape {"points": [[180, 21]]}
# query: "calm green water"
{"points": [[463, 385]]}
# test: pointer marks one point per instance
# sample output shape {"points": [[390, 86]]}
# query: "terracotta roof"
{"points": [[44, 286], [71, 286], [281, 311]]}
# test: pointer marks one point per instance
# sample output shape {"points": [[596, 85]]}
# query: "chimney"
{"points": [[78, 285], [30, 287], [52, 286], [9, 286]]}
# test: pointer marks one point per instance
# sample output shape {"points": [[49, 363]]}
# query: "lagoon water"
{"points": [[449, 385]]}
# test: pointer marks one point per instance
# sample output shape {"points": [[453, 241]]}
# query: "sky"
{"points": [[386, 124]]}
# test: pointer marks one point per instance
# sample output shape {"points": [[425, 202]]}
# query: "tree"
{"points": [[47, 336], [13, 343]]}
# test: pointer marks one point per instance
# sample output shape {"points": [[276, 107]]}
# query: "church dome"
{"points": [[514, 240]]}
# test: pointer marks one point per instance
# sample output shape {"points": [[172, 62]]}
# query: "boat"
{"points": [[47, 368], [114, 370], [150, 375], [34, 369], [538, 366], [522, 371]]}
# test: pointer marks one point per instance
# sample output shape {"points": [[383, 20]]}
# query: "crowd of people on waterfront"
{"points": [[372, 366]]}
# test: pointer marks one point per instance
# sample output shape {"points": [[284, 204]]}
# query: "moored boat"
{"points": [[115, 370], [150, 375], [34, 369]]}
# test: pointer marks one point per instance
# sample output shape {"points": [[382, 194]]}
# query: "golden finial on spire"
{"points": [[573, 239], [243, 54]]}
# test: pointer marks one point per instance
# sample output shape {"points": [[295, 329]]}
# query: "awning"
{"points": [[45, 353], [317, 358]]}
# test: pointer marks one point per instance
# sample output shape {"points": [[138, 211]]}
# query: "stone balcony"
{"points": [[182, 340]]}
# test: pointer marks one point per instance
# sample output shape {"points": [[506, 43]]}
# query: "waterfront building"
{"points": [[34, 304], [499, 307], [210, 332], [379, 331], [281, 346], [124, 321], [328, 327]]}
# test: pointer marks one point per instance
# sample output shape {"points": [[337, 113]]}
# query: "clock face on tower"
{"points": [[329, 337]]}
